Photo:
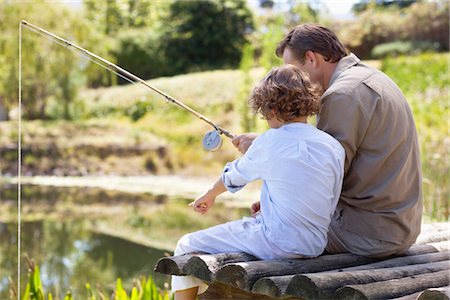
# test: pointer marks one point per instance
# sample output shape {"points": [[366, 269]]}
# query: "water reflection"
{"points": [[68, 253], [8, 257], [70, 256], [67, 231]]}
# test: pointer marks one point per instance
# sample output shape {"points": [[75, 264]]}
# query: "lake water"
{"points": [[70, 255], [57, 233], [80, 235]]}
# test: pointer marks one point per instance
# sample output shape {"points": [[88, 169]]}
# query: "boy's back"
{"points": [[302, 171]]}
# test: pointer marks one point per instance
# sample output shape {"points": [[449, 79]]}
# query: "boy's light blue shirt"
{"points": [[302, 171]]}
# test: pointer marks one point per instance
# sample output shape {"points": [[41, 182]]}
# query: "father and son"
{"points": [[350, 184]]}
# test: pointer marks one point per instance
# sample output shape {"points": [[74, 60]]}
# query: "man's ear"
{"points": [[310, 57]]}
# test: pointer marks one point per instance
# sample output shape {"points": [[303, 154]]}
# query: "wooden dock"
{"points": [[422, 273]]}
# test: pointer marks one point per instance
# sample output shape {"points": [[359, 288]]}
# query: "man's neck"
{"points": [[328, 70]]}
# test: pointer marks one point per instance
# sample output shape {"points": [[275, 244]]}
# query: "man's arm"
{"points": [[243, 141], [347, 120]]}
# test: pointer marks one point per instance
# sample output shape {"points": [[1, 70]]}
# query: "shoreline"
{"points": [[170, 185]]}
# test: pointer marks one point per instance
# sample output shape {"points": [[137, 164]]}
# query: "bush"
{"points": [[422, 21], [139, 51], [139, 109], [403, 48]]}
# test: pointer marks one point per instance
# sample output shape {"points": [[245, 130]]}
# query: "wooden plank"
{"points": [[393, 288], [221, 291], [324, 285], [205, 266], [403, 261], [428, 248], [408, 297], [172, 265], [442, 293], [277, 285], [434, 227], [433, 237], [243, 275]]}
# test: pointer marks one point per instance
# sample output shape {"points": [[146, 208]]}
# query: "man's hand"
{"points": [[243, 141], [203, 202], [255, 208]]}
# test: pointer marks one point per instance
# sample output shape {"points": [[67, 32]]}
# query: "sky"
{"points": [[340, 9]]}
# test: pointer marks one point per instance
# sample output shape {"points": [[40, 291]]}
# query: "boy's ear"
{"points": [[271, 114]]}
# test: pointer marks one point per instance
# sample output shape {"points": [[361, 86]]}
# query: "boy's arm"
{"points": [[205, 201]]}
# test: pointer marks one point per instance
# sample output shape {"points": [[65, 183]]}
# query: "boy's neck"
{"points": [[298, 120], [275, 123]]}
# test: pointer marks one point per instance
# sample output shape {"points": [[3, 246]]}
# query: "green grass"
{"points": [[424, 80]]}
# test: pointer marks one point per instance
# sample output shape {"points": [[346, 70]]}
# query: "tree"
{"points": [[206, 34], [419, 23], [363, 5], [300, 13], [139, 51], [47, 68], [111, 16], [131, 28]]}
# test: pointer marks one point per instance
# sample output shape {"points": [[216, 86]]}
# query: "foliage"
{"points": [[34, 289], [301, 13], [424, 81], [401, 48], [270, 38], [363, 5], [248, 118], [140, 51], [112, 16], [139, 109], [419, 22], [144, 289], [47, 68], [202, 35], [133, 29]]}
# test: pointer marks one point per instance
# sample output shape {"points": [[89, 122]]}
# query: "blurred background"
{"points": [[109, 167]]}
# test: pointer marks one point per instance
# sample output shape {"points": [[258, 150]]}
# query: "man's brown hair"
{"points": [[315, 38], [287, 92]]}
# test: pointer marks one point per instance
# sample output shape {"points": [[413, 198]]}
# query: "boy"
{"points": [[301, 168]]}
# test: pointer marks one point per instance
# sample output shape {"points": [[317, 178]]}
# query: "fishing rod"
{"points": [[211, 141]]}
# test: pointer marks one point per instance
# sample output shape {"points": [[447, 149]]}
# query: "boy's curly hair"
{"points": [[287, 92]]}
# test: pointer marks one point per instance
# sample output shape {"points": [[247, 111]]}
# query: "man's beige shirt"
{"points": [[365, 110]]}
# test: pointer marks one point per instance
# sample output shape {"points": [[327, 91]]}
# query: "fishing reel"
{"points": [[212, 141]]}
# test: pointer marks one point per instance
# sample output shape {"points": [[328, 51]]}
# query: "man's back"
{"points": [[367, 113]]}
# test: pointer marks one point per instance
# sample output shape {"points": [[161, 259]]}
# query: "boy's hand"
{"points": [[255, 208], [203, 203], [243, 141]]}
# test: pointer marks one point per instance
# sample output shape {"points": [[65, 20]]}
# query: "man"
{"points": [[380, 207]]}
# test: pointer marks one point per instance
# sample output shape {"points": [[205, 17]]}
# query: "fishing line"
{"points": [[211, 141], [19, 164]]}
